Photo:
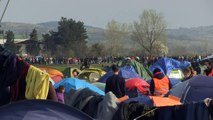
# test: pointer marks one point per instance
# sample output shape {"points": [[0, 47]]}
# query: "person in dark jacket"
{"points": [[160, 83], [115, 83]]}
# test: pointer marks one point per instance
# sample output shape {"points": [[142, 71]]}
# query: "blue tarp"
{"points": [[40, 110], [125, 73], [168, 64], [74, 83], [195, 89]]}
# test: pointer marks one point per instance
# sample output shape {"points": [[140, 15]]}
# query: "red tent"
{"points": [[138, 83]]}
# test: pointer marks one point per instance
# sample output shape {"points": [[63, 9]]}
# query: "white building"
{"points": [[2, 41]]}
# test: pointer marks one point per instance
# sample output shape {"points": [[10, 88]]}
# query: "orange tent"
{"points": [[160, 101], [56, 75]]}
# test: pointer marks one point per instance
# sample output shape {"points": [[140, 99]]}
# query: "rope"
{"points": [[146, 113], [4, 10]]}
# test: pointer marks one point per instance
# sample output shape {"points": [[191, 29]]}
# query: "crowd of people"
{"points": [[147, 61]]}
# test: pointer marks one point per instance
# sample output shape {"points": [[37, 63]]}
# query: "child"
{"points": [[60, 94]]}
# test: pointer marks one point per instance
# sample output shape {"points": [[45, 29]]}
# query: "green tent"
{"points": [[138, 67], [68, 72]]}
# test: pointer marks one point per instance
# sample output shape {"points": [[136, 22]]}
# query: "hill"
{"points": [[22, 30], [182, 40]]}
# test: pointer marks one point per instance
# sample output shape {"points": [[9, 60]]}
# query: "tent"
{"points": [[125, 73], [195, 89], [138, 83], [100, 85], [56, 75], [168, 64], [138, 68], [156, 101], [68, 72], [177, 74], [40, 110], [208, 58], [91, 74], [74, 83]]}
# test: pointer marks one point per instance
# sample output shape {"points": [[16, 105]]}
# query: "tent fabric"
{"points": [[40, 110], [146, 100], [138, 83], [107, 107], [208, 58], [79, 98], [192, 111], [68, 72], [138, 68], [90, 76], [125, 73], [195, 89], [128, 111], [56, 79], [129, 67], [101, 72], [177, 74], [37, 84], [56, 75], [53, 72], [74, 83], [100, 85], [160, 101], [168, 64]]}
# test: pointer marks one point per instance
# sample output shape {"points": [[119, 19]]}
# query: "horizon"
{"points": [[101, 27], [177, 14]]}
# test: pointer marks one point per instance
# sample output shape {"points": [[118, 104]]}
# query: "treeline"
{"points": [[146, 36]]}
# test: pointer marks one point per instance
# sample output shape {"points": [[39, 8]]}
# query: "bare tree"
{"points": [[150, 28], [115, 33]]}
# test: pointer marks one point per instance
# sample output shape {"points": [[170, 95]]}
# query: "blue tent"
{"points": [[129, 67], [195, 89], [40, 110], [125, 73], [142, 99], [74, 83], [168, 64]]}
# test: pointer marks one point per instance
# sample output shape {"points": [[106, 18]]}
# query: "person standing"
{"points": [[115, 83], [160, 83]]}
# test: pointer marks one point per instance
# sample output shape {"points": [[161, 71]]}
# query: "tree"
{"points": [[10, 42], [34, 35], [33, 45], [150, 29], [97, 49], [70, 38], [115, 33]]}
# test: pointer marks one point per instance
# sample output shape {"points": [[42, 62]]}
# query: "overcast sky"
{"points": [[177, 13]]}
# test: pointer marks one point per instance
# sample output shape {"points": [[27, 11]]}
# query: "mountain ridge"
{"points": [[191, 39]]}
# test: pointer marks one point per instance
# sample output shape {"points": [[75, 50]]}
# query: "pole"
{"points": [[4, 10]]}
